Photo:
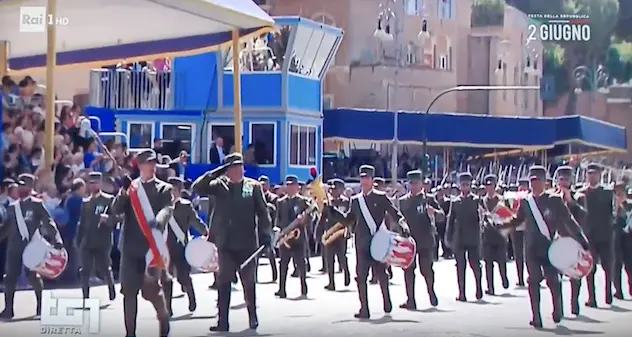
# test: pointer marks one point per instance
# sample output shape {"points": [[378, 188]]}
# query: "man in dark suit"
{"points": [[368, 211], [217, 152], [240, 220]]}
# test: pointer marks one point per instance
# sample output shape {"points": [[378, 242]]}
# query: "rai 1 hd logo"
{"points": [[34, 19], [559, 28]]}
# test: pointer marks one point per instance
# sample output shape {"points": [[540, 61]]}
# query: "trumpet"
{"points": [[334, 233]]}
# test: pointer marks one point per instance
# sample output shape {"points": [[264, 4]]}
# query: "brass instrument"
{"points": [[334, 233], [293, 231]]}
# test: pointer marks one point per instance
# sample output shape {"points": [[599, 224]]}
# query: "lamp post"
{"points": [[389, 29]]}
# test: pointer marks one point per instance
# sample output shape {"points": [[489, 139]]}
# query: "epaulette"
{"points": [[87, 199], [35, 199], [555, 193], [378, 192], [283, 198], [107, 195], [251, 181], [184, 201]]}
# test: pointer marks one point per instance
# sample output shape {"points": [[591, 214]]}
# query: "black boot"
{"points": [[223, 303], [167, 289], [489, 277], [364, 302], [191, 295]]}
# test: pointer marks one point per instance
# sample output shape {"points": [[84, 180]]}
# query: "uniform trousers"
{"points": [[622, 259], [296, 253], [364, 263], [180, 268], [517, 243], [13, 268], [336, 250], [495, 253], [602, 252], [464, 255], [540, 268], [99, 260], [425, 260], [230, 261]]}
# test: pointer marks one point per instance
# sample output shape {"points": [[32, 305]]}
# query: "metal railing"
{"points": [[123, 89]]}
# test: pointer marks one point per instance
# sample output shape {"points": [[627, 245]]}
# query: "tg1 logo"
{"points": [[64, 316]]}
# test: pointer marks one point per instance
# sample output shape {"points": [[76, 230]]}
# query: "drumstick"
{"points": [[251, 257]]}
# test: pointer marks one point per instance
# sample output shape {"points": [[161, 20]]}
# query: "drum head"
{"points": [[564, 253], [381, 244], [35, 253], [55, 263], [199, 252]]}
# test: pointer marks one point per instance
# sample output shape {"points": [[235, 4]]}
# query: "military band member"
{"points": [[367, 211], [184, 215], [494, 244], [135, 276], [24, 217], [517, 241], [272, 201], [598, 224], [558, 221], [339, 206], [94, 236], [379, 184], [622, 240], [419, 208], [444, 198], [463, 234], [290, 209], [241, 219]]}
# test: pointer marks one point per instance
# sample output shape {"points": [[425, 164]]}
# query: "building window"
{"points": [[176, 138], [263, 138], [515, 81], [411, 53], [443, 62], [444, 9], [450, 64], [224, 131], [504, 81], [414, 7], [140, 135], [302, 145], [525, 96], [434, 56], [328, 101]]}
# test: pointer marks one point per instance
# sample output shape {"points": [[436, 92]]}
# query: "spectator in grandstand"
{"points": [[179, 165], [217, 152]]}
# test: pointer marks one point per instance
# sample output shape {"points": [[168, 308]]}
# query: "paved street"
{"points": [[329, 313]]}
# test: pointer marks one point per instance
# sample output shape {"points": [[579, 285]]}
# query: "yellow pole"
{"points": [[4, 58], [51, 61], [237, 92]]}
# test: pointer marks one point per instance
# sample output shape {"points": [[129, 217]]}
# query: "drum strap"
{"points": [[144, 214], [19, 219], [366, 214], [177, 231], [537, 216]]}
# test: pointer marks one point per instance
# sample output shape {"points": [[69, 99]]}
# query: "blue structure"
{"points": [[282, 107]]}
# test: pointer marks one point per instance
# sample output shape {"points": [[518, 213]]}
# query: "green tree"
{"points": [[623, 28]]}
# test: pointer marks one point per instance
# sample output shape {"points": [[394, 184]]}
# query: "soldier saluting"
{"points": [[494, 244], [367, 212], [184, 215], [24, 218], [138, 202], [94, 236], [338, 207], [463, 235], [240, 219], [554, 219], [418, 207]]}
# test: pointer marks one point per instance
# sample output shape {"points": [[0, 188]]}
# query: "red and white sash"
{"points": [[144, 215], [537, 216], [366, 214]]}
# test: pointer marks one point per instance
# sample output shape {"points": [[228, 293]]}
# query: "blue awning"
{"points": [[593, 134]]}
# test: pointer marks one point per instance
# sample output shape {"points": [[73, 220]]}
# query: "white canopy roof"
{"points": [[116, 23]]}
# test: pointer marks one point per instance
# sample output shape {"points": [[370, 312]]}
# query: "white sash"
{"points": [[19, 218], [177, 231], [366, 214], [146, 206], [537, 216]]}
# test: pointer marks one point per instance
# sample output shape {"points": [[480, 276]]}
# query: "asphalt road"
{"points": [[331, 313]]}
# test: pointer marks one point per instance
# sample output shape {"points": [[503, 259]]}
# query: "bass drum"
{"points": [[568, 256], [202, 255], [41, 257], [393, 249]]}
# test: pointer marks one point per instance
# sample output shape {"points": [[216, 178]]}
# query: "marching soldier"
{"points": [[598, 224], [379, 184], [94, 237], [271, 200], [622, 241], [291, 208], [517, 241], [183, 216], [241, 219], [419, 209], [368, 209], [494, 244], [557, 220], [339, 206], [146, 195], [463, 234], [24, 217], [444, 199]]}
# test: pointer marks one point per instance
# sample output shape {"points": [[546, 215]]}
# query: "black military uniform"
{"points": [[184, 215], [240, 220], [289, 208], [598, 224], [415, 208], [379, 206], [494, 244], [35, 217], [272, 201], [463, 234], [94, 236], [135, 276], [517, 243], [332, 215], [558, 220], [444, 198], [622, 242]]}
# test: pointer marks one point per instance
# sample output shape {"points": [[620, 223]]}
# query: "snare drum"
{"points": [[41, 257], [568, 256], [393, 249], [202, 255]]}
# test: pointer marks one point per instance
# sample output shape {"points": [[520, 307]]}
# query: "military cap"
{"points": [[537, 172], [291, 179], [620, 184], [481, 187], [233, 159], [593, 168], [26, 179], [301, 183], [264, 179], [185, 194], [177, 182], [414, 175], [367, 171], [564, 171], [490, 179], [95, 177], [146, 156], [464, 177], [276, 187], [7, 181], [427, 181], [337, 183], [379, 181]]}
